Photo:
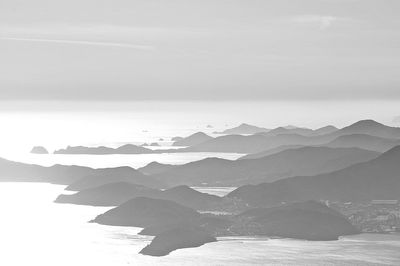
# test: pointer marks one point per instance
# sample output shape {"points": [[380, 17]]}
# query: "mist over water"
{"points": [[57, 125]]}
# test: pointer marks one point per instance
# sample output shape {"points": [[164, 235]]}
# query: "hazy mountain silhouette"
{"points": [[243, 129], [364, 141], [154, 144], [113, 194], [193, 139], [283, 130], [182, 236], [155, 168], [125, 149], [270, 152], [112, 175], [58, 174], [39, 150], [71, 174], [144, 212], [235, 143], [302, 161], [300, 131], [325, 130], [176, 138], [309, 220], [373, 128], [265, 141], [374, 179]]}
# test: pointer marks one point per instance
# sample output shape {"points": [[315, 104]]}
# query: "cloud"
{"points": [[323, 21], [82, 42]]}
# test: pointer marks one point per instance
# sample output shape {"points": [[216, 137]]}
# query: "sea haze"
{"points": [[56, 125]]}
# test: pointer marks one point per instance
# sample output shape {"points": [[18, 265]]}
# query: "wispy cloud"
{"points": [[323, 21], [82, 42]]}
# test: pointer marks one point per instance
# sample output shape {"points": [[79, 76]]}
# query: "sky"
{"points": [[208, 50]]}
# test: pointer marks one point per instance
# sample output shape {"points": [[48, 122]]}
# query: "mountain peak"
{"points": [[366, 123], [200, 133]]}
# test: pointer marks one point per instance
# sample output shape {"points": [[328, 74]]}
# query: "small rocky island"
{"points": [[39, 150]]}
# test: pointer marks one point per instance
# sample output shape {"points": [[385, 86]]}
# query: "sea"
{"points": [[36, 231]]}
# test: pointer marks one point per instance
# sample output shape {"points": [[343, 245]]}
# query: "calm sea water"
{"points": [[36, 231]]}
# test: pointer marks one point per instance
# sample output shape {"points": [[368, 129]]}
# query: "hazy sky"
{"points": [[199, 50]]}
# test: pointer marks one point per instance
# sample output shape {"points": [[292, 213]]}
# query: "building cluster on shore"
{"points": [[376, 216]]}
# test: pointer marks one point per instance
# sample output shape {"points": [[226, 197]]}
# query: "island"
{"points": [[39, 150]]}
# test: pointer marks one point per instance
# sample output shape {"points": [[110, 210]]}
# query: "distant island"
{"points": [[72, 175], [243, 129], [365, 134], [192, 140], [125, 149], [39, 150]]}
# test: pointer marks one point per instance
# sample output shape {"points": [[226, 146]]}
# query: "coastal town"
{"points": [[376, 216]]}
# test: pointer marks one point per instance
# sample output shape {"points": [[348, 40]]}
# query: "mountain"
{"points": [[112, 194], [283, 130], [302, 161], [373, 128], [308, 220], [190, 197], [232, 143], [364, 141], [125, 149], [69, 174], [325, 130], [112, 175], [213, 224], [58, 174], [300, 131], [259, 142], [39, 150], [375, 179], [176, 138], [243, 129], [144, 212], [186, 236], [155, 168], [270, 152], [193, 139], [265, 141]]}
